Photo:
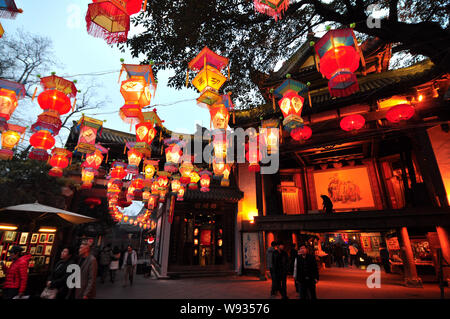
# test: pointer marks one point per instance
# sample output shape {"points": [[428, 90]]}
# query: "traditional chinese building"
{"points": [[388, 182]]}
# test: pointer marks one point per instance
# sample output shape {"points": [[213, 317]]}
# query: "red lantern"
{"points": [[92, 202], [59, 161], [205, 180], [181, 192], [175, 184], [131, 114], [163, 180], [134, 6], [145, 133], [339, 57], [41, 141], [173, 154], [118, 170], [253, 157], [291, 103], [54, 100], [93, 160], [301, 133], [8, 9], [401, 112], [352, 123], [152, 201], [108, 19], [219, 116], [273, 8]]}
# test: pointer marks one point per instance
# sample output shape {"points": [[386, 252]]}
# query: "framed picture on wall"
{"points": [[39, 249], [50, 238], [34, 238], [48, 250], [348, 188], [10, 236], [23, 238], [42, 238], [33, 250]]}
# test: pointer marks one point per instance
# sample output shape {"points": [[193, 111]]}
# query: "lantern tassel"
{"points": [[234, 117], [273, 102], [70, 161], [228, 78], [145, 5], [120, 74], [107, 154], [309, 98], [34, 94], [187, 77], [281, 133], [73, 106], [125, 149]]}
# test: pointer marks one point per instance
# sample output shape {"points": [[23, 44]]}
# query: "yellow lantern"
{"points": [[209, 78], [176, 184], [186, 169], [226, 174], [149, 168], [10, 139], [218, 167], [87, 176]]}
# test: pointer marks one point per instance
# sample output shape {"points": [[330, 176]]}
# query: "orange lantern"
{"points": [[95, 159], [125, 218], [136, 91], [2, 31], [59, 161], [186, 169], [10, 92], [195, 177], [131, 114], [10, 138], [270, 136], [220, 144], [205, 180], [226, 175], [181, 192], [118, 170], [218, 167], [163, 179], [155, 186], [219, 116], [145, 133], [152, 201]]}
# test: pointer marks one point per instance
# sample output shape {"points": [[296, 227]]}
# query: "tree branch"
{"points": [[393, 10]]}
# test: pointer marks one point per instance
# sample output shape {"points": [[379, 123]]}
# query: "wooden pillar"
{"points": [[272, 195], [411, 277], [262, 258], [445, 248]]}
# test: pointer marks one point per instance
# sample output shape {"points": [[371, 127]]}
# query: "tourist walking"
{"points": [[269, 262], [16, 275], [339, 255], [306, 274], [104, 261], [281, 269], [57, 278], [114, 265], [129, 264], [88, 272]]}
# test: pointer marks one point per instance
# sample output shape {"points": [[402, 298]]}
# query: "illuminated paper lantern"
{"points": [[8, 9], [131, 114], [135, 6], [2, 31], [140, 72], [134, 159], [108, 19], [59, 160], [352, 123], [195, 177], [209, 79], [136, 91], [226, 175], [338, 56], [219, 116], [301, 133], [186, 169], [89, 128], [150, 167], [273, 8], [401, 112], [163, 179], [291, 102], [118, 170], [218, 167], [87, 177], [220, 144], [205, 180], [181, 192], [253, 156], [41, 142], [175, 184], [152, 201], [173, 154], [270, 137], [10, 138], [95, 159], [10, 93], [145, 133]]}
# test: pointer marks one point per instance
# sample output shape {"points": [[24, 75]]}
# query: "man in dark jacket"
{"points": [[306, 274], [281, 269], [384, 254], [269, 262], [58, 277]]}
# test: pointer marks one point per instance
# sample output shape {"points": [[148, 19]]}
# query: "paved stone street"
{"points": [[335, 283]]}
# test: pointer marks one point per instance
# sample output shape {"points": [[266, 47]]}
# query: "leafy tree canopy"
{"points": [[176, 30]]}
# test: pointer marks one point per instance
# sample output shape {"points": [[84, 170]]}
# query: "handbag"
{"points": [[49, 293]]}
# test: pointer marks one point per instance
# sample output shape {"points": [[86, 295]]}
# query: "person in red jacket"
{"points": [[16, 274]]}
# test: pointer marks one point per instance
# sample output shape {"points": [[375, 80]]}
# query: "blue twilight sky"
{"points": [[63, 21]]}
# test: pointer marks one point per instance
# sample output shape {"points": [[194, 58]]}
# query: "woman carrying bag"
{"points": [[57, 280]]}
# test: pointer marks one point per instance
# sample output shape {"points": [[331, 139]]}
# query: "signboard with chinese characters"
{"points": [[250, 250], [392, 243]]}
